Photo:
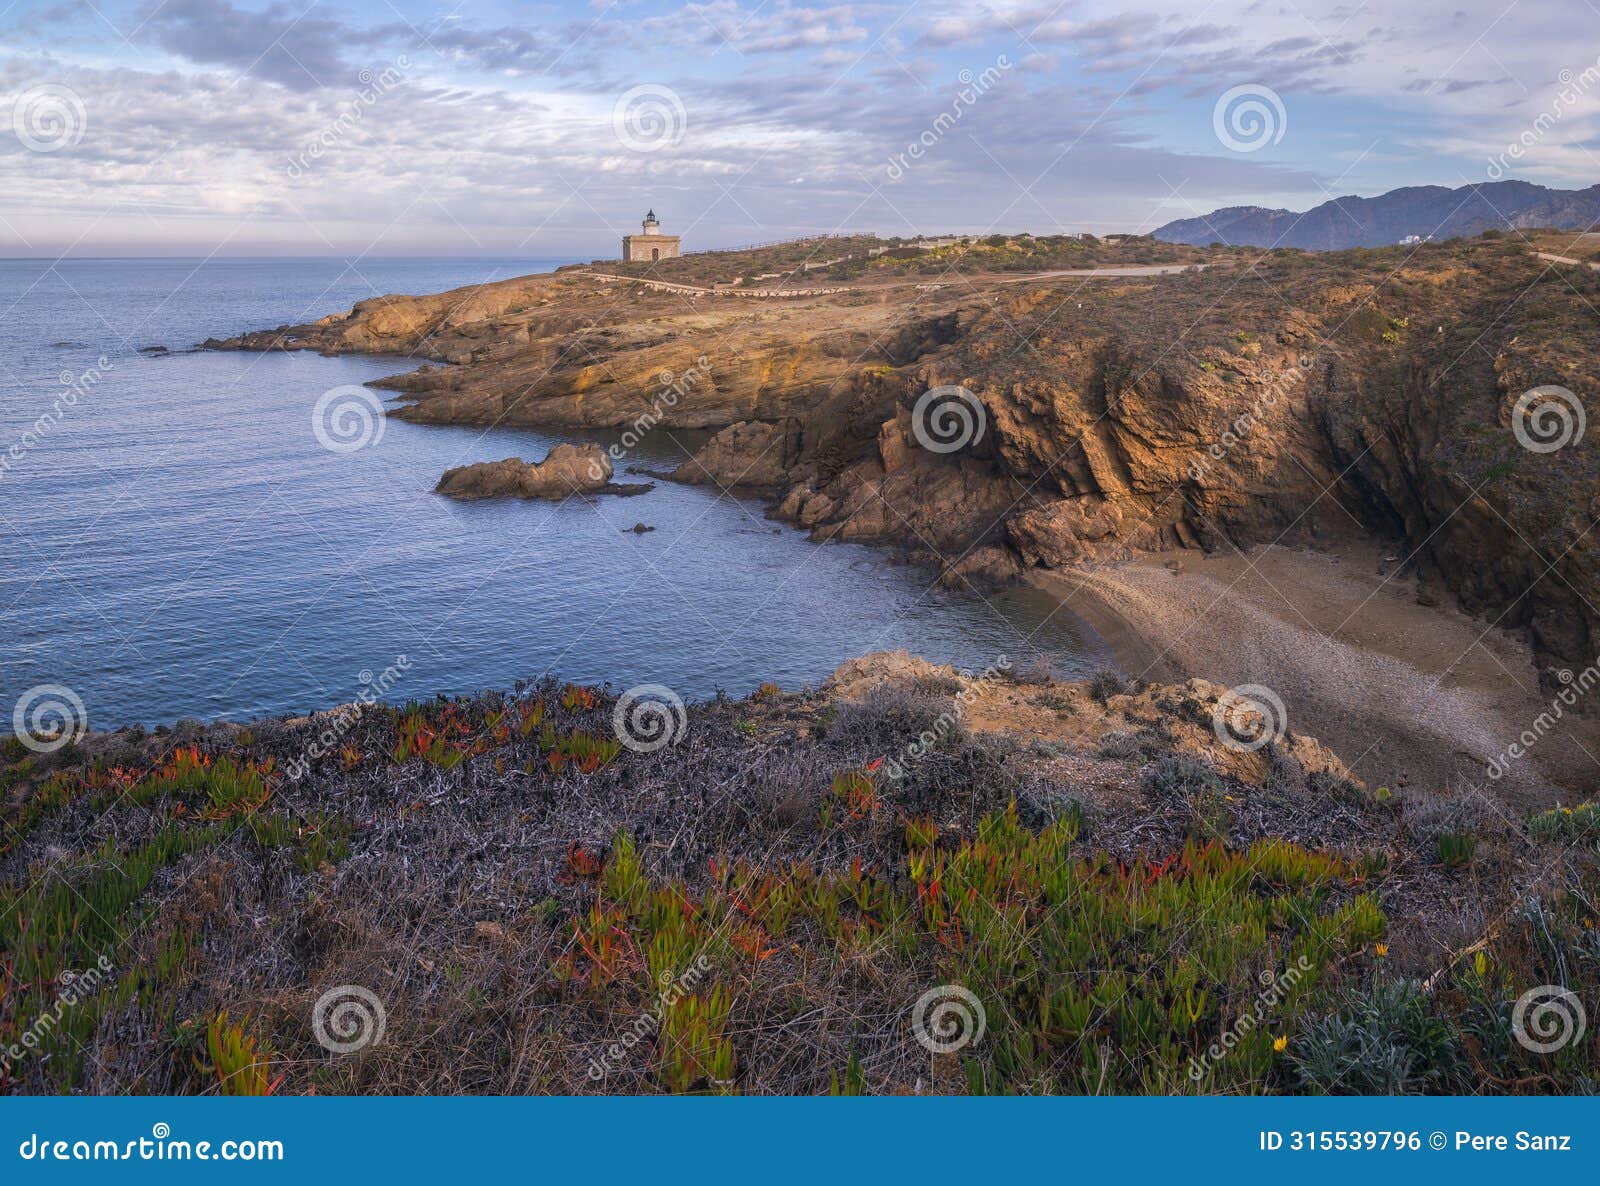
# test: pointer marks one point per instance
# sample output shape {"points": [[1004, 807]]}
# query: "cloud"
{"points": [[491, 133], [287, 45]]}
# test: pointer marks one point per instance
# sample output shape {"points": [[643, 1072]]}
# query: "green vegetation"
{"points": [[1566, 823], [203, 899]]}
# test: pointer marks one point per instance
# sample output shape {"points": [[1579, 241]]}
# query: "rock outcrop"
{"points": [[1289, 398], [566, 470], [749, 453]]}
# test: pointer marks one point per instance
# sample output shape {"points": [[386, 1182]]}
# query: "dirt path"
{"points": [[1404, 693], [1130, 270], [1563, 259]]}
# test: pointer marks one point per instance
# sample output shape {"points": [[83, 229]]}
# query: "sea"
{"points": [[182, 536]]}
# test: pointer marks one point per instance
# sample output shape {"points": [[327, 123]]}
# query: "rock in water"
{"points": [[566, 470]]}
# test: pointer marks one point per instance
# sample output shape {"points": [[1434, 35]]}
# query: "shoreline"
{"points": [[1340, 635]]}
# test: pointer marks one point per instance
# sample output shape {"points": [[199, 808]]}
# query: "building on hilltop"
{"points": [[651, 245]]}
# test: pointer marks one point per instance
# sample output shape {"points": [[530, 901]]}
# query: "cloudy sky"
{"points": [[458, 127]]}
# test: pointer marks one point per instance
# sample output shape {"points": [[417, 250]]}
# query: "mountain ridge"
{"points": [[1427, 211]]}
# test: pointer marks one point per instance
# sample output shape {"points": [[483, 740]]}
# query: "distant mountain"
{"points": [[1422, 210]]}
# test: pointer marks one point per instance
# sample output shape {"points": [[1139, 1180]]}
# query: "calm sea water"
{"points": [[176, 542]]}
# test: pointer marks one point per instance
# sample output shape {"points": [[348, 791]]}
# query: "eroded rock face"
{"points": [[750, 453], [1298, 400], [1069, 711], [566, 470]]}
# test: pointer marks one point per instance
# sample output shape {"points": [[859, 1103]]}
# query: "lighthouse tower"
{"points": [[650, 245]]}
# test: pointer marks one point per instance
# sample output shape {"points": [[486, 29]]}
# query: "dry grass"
{"points": [[755, 909]]}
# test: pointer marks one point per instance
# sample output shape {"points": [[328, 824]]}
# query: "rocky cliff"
{"points": [[1278, 398]]}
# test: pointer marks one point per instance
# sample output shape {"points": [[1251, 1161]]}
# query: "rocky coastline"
{"points": [[1283, 400]]}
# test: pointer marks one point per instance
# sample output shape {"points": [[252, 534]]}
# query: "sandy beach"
{"points": [[1407, 693]]}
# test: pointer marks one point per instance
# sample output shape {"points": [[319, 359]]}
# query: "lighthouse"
{"points": [[650, 244]]}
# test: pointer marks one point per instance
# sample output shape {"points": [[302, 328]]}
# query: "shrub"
{"points": [[1456, 848], [1566, 823], [1428, 817], [1119, 745], [1324, 783], [1385, 1040], [891, 716], [1193, 787], [1107, 683]]}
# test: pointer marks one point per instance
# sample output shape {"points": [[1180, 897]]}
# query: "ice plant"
{"points": [[239, 1061]]}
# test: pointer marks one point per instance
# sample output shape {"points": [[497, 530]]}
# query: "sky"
{"points": [[305, 127]]}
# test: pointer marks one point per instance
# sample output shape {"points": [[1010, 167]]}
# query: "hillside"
{"points": [[1427, 211], [911, 881], [1293, 398]]}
